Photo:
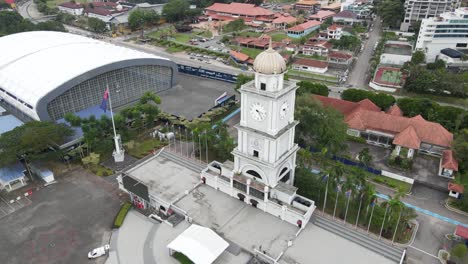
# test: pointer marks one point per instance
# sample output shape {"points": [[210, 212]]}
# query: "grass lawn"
{"points": [[315, 57], [437, 98], [392, 183], [391, 77], [182, 37], [313, 75], [182, 258], [142, 148], [278, 36], [54, 3], [250, 34], [174, 49], [161, 31]]}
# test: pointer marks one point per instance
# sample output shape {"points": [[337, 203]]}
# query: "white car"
{"points": [[98, 252]]}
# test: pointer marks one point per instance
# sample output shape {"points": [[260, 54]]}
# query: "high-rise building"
{"points": [[417, 10], [449, 30]]}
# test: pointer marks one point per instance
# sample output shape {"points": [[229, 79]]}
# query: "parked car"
{"points": [[98, 252], [192, 58]]}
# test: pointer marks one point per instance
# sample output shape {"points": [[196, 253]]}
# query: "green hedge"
{"points": [[120, 217]]}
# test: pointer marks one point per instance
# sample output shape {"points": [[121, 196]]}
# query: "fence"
{"points": [[200, 72]]}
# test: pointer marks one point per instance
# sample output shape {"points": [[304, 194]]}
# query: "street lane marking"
{"points": [[427, 212]]}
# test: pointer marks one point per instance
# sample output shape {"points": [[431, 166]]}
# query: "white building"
{"points": [[75, 9], [450, 30], [417, 10], [309, 65], [262, 174]]}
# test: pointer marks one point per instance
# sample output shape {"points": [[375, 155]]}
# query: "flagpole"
{"points": [[112, 115], [370, 219], [326, 193], [358, 213], [347, 206]]}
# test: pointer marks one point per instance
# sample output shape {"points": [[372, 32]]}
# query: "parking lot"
{"points": [[10, 204], [62, 222]]}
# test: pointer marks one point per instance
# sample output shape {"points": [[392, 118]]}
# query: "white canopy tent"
{"points": [[200, 244]]}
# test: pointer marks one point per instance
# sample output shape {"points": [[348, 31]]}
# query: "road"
{"points": [[359, 74], [28, 10]]}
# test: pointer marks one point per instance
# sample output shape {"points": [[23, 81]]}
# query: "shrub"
{"points": [[118, 221]]}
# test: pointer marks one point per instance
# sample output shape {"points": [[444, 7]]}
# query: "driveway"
{"points": [[63, 222], [359, 75]]}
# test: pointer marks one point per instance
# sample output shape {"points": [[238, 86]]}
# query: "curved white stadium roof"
{"points": [[34, 64]]}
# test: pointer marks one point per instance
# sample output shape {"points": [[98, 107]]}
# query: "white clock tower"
{"points": [[266, 151]]}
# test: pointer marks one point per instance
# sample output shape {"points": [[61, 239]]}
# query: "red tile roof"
{"points": [[461, 231], [395, 110], [239, 56], [285, 19], [364, 116], [311, 63], [346, 14], [306, 25], [71, 5], [408, 138], [449, 161], [334, 27], [332, 6], [323, 44], [456, 187], [240, 9], [9, 1], [307, 2], [340, 55], [322, 14]]}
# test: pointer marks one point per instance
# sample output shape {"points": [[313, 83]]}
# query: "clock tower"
{"points": [[266, 151]]}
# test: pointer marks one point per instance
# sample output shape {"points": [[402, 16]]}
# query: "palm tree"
{"points": [[334, 177], [394, 205]]}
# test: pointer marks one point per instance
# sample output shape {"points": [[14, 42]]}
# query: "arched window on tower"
{"points": [[285, 174], [254, 173]]}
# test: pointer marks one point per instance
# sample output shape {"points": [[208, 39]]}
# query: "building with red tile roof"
{"points": [[455, 191], [310, 65], [448, 164], [307, 5], [335, 7], [395, 110], [461, 231], [365, 119], [321, 47], [248, 12], [284, 21], [104, 11], [303, 29], [71, 8], [322, 15], [239, 56]]}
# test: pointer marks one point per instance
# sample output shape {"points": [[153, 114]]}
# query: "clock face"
{"points": [[284, 109], [257, 111]]}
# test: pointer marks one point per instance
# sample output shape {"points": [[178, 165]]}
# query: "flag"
{"points": [[348, 193], [105, 98], [338, 188], [325, 177]]}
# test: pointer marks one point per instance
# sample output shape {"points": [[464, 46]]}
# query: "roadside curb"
{"points": [[454, 209], [412, 237]]}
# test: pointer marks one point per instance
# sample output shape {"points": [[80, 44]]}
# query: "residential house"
{"points": [[335, 7], [346, 18], [72, 8], [239, 57], [233, 11], [303, 29], [334, 31], [321, 48], [363, 11], [339, 59], [283, 21], [391, 128], [104, 11], [307, 5], [322, 15], [310, 65]]}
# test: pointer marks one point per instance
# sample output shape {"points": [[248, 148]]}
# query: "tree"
{"points": [[391, 12], [12, 22], [243, 79], [234, 26], [460, 146], [459, 251], [382, 100], [50, 26], [176, 10], [32, 141], [306, 87], [365, 157], [319, 127], [139, 18], [97, 25], [438, 64], [418, 57], [346, 42]]}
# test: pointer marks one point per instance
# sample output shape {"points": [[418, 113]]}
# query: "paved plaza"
{"points": [[193, 96]]}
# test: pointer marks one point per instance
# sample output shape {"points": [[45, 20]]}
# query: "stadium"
{"points": [[45, 74]]}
